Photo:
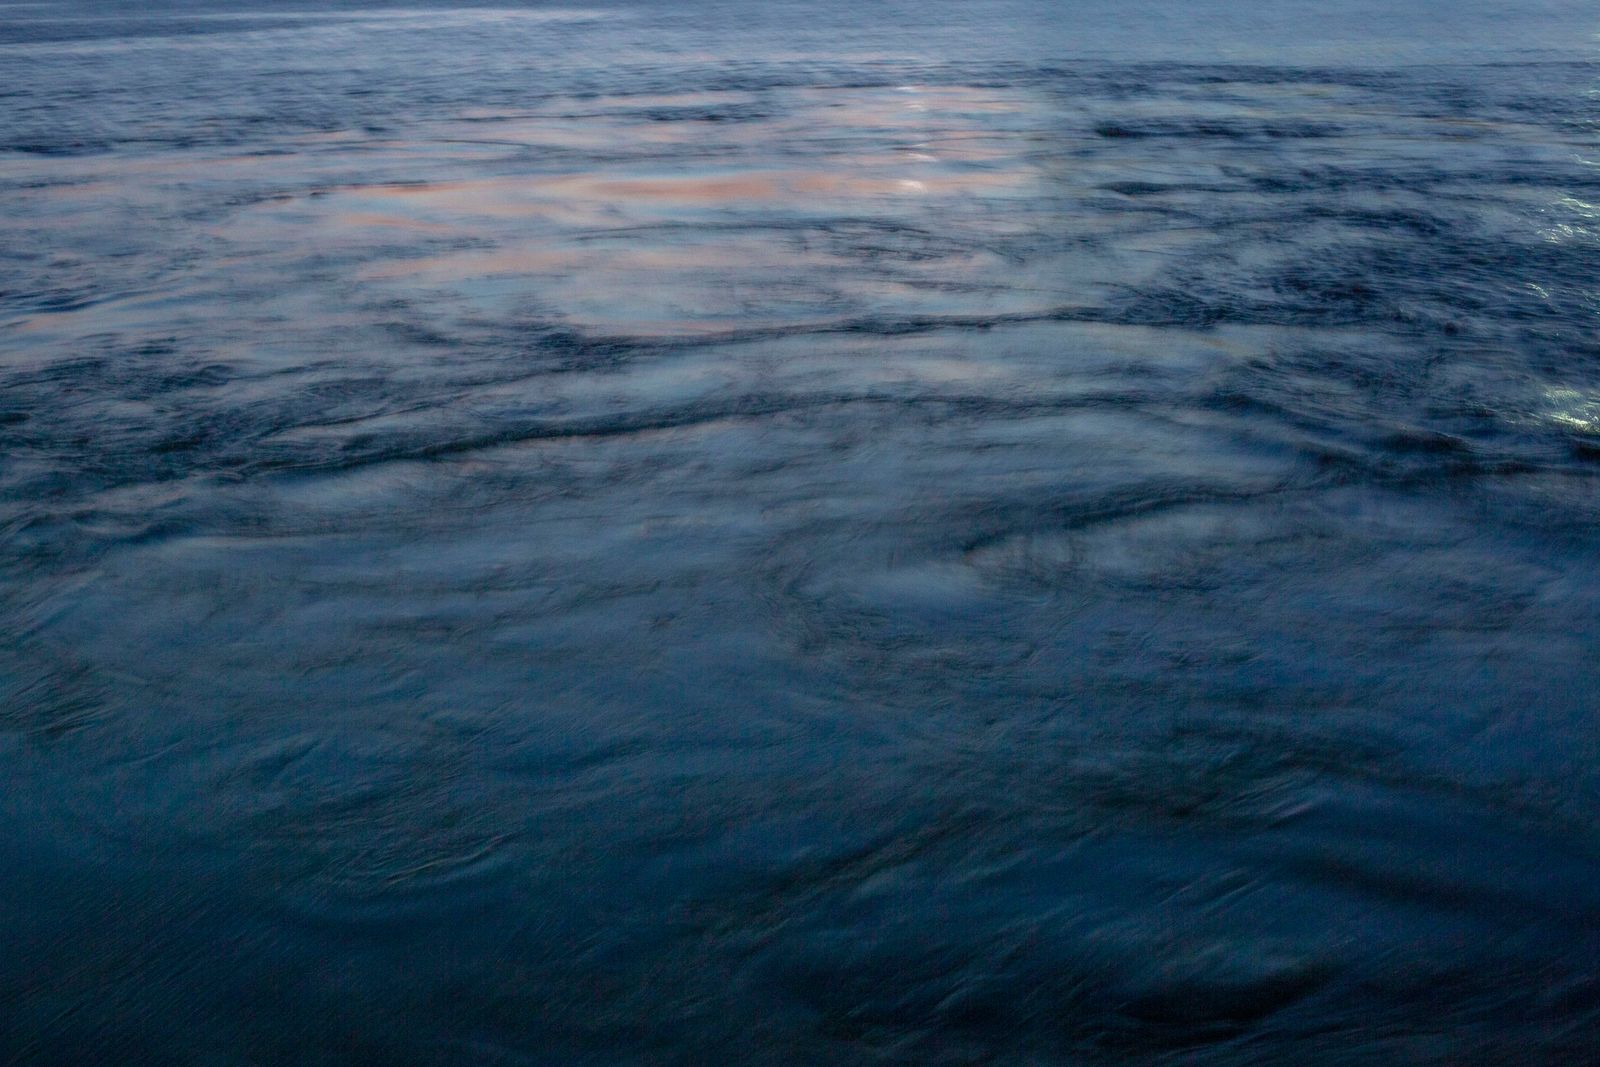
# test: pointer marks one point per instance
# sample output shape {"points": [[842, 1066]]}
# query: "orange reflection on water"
{"points": [[537, 194]]}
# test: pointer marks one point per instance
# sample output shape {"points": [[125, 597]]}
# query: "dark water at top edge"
{"points": [[873, 533]]}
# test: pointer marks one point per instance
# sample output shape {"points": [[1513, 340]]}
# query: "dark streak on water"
{"points": [[1004, 532]]}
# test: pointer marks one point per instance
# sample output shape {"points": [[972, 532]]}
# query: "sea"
{"points": [[820, 532]]}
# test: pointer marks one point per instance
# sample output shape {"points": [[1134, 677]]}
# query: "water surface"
{"points": [[815, 532]]}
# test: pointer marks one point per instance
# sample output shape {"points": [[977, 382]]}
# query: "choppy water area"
{"points": [[995, 532]]}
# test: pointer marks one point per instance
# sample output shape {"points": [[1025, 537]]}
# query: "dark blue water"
{"points": [[801, 532]]}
